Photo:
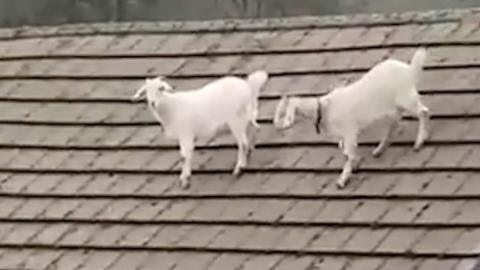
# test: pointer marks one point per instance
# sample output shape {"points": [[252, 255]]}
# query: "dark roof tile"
{"points": [[295, 263], [334, 263], [41, 259], [400, 263], [364, 263], [79, 234], [109, 235], [261, 262], [51, 234], [16, 183], [147, 210], [201, 236], [299, 239], [332, 239], [70, 260], [31, 208], [467, 264], [196, 261], [233, 237], [265, 238], [22, 233], [15, 258], [369, 211], [60, 209], [118, 209], [75, 150], [440, 212], [400, 240], [445, 183], [437, 241], [303, 211], [437, 264], [128, 261], [337, 210], [227, 261], [165, 260], [71, 184], [99, 260], [366, 239], [89, 209], [405, 211], [466, 212]]}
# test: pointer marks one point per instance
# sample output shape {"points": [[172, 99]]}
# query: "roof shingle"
{"points": [[88, 182]]}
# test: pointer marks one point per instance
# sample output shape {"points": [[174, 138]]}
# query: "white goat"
{"points": [[201, 113], [384, 92]]}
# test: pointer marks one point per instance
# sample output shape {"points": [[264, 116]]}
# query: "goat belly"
{"points": [[210, 131], [169, 134]]}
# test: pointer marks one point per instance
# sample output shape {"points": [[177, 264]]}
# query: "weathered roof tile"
{"points": [[75, 150]]}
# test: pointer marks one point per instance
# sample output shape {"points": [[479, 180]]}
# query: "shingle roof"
{"points": [[87, 182]]}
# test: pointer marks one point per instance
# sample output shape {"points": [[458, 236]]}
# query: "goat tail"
{"points": [[417, 63], [256, 80]]}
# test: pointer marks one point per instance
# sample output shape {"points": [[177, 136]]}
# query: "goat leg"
{"points": [[422, 135], [241, 158], [252, 141], [350, 145], [186, 150], [385, 141], [239, 131]]}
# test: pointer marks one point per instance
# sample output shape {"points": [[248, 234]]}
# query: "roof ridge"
{"points": [[265, 24]]}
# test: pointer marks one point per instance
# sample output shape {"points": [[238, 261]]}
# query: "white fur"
{"points": [[384, 92], [200, 113]]}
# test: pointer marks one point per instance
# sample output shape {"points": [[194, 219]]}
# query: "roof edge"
{"points": [[264, 24]]}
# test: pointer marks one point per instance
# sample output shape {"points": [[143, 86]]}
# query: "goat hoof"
{"points": [[237, 171], [417, 147], [185, 184], [185, 181], [340, 184], [377, 153]]}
